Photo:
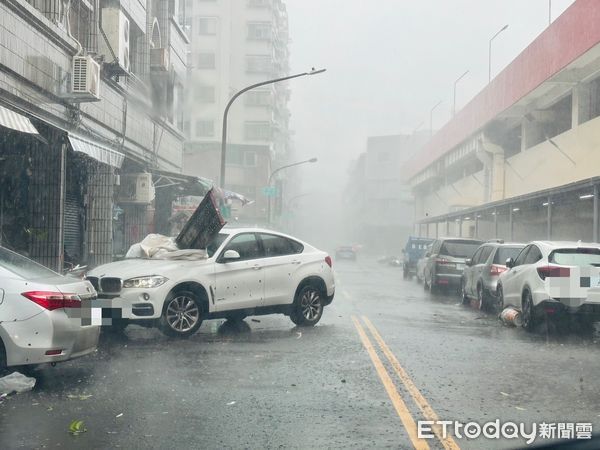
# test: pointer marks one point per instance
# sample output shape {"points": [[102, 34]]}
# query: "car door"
{"points": [[481, 266], [510, 280], [283, 258], [430, 265], [469, 273], [239, 283], [529, 266]]}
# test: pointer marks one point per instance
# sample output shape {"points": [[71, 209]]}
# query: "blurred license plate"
{"points": [[460, 266]]}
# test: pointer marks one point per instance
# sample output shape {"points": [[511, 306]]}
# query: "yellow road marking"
{"points": [[428, 412], [388, 384]]}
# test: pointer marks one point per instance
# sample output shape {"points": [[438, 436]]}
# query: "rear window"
{"points": [[459, 249], [22, 266], [576, 257], [504, 253]]}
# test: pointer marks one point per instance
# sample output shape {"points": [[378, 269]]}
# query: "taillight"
{"points": [[53, 300], [553, 272], [497, 269], [444, 262], [328, 261]]}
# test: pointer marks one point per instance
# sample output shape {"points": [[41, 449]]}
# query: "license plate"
{"points": [[460, 266]]}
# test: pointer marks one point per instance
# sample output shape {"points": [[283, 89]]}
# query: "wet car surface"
{"points": [[263, 383]]}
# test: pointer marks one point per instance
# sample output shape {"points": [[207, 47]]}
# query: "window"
{"points": [[279, 246], [459, 249], [261, 31], [533, 256], [576, 257], [250, 159], [205, 128], [258, 98], [504, 253], [475, 258], [246, 245], [205, 94], [257, 131], [259, 64], [207, 25], [521, 258], [485, 254], [206, 61]]}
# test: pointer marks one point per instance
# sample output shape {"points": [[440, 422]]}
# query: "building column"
{"points": [[460, 227], [99, 236], [595, 231], [496, 223], [549, 219], [447, 227], [437, 230], [510, 222]]}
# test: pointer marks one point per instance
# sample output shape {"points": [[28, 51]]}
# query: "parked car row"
{"points": [[46, 317], [541, 278]]}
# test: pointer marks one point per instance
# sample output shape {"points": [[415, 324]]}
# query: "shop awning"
{"points": [[185, 184], [96, 150], [16, 121]]}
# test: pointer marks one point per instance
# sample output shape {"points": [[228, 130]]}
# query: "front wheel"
{"points": [[308, 307], [529, 320], [499, 303], [182, 314], [465, 297]]}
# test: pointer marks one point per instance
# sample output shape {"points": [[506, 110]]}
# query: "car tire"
{"points": [[482, 298], [405, 273], [499, 303], [433, 288], [465, 297], [308, 306], [182, 314], [3, 362], [529, 319]]}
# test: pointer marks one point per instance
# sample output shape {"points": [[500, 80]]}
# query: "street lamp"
{"points": [[431, 117], [313, 71], [490, 52], [549, 12], [455, 83], [311, 160]]}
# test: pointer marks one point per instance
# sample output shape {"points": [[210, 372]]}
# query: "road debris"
{"points": [[77, 427], [16, 382], [511, 316], [505, 394], [119, 415], [230, 403]]}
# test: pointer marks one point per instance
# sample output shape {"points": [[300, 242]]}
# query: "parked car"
{"points": [[420, 273], [483, 269], [248, 272], [446, 262], [552, 278], [345, 252], [413, 251], [40, 314]]}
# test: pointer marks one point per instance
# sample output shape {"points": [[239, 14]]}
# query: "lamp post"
{"points": [[549, 12], [455, 83], [236, 95], [311, 160], [490, 51], [431, 117]]}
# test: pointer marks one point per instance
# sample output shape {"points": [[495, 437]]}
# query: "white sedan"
{"points": [[41, 314], [550, 278], [248, 272]]}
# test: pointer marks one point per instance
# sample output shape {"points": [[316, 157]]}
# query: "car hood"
{"points": [[130, 268]]}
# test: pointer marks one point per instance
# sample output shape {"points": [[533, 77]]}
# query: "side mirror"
{"points": [[231, 255], [468, 262], [510, 263]]}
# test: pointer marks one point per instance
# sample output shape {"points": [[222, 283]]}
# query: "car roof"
{"points": [[460, 239], [551, 245], [232, 230]]}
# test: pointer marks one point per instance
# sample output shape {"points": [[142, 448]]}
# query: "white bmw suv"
{"points": [[248, 272]]}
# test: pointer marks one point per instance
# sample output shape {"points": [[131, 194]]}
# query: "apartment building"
{"points": [[234, 44], [91, 139]]}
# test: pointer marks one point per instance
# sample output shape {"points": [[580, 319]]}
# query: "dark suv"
{"points": [[446, 262]]}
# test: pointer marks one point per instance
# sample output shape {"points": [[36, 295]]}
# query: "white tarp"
{"points": [[157, 246]]}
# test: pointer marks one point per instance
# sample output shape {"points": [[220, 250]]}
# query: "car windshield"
{"points": [[576, 257], [23, 267], [504, 253], [459, 249]]}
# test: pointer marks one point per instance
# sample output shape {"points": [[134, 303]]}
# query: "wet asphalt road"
{"points": [[267, 384]]}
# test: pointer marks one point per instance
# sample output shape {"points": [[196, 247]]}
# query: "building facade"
{"points": [[521, 160], [379, 203], [90, 120], [234, 44]]}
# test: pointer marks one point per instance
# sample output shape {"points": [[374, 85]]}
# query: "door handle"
{"points": [[256, 267], [296, 262]]}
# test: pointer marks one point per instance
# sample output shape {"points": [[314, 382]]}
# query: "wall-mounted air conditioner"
{"points": [[85, 79], [159, 59], [136, 188], [116, 28]]}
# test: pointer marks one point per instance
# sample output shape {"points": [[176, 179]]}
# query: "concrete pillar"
{"points": [[460, 227], [99, 228], [581, 104], [447, 227], [595, 232], [492, 157], [437, 230], [510, 222], [476, 226], [549, 219], [496, 223]]}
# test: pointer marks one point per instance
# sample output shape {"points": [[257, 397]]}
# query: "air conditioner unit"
{"points": [[85, 78], [136, 188], [159, 59], [116, 28]]}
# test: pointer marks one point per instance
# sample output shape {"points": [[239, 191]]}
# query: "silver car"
{"points": [[41, 314], [482, 271]]}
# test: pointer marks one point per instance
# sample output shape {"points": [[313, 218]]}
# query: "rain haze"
{"points": [[303, 224]]}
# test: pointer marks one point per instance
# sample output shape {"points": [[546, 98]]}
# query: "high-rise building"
{"points": [[234, 44]]}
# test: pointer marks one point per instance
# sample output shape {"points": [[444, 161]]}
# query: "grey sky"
{"points": [[389, 61]]}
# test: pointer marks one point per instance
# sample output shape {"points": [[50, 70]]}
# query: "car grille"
{"points": [[110, 285]]}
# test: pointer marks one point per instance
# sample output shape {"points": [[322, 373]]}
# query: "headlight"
{"points": [[145, 282]]}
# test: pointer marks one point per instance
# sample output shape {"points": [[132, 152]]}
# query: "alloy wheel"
{"points": [[310, 305], [182, 313]]}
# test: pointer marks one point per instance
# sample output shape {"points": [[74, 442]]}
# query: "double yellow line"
{"points": [[399, 404]]}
